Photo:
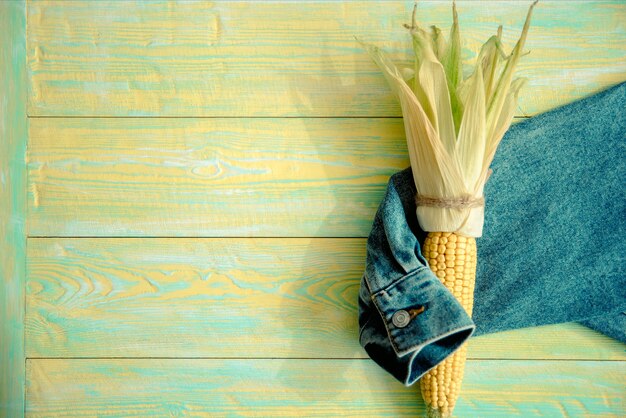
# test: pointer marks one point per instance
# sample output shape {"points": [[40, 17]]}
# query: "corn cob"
{"points": [[453, 127], [452, 257]]}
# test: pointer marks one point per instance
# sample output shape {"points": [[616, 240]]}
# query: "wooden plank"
{"points": [[210, 177], [278, 387], [228, 298], [13, 139], [157, 58]]}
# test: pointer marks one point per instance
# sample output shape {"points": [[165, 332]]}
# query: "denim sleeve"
{"points": [[409, 320]]}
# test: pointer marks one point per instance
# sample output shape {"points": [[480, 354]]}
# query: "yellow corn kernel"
{"points": [[454, 263]]}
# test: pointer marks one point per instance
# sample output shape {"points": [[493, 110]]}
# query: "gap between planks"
{"points": [[309, 358], [182, 237], [229, 117]]}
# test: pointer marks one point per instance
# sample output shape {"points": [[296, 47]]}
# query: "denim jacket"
{"points": [[552, 248]]}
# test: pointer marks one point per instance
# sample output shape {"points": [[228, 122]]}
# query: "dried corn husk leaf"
{"points": [[453, 125]]}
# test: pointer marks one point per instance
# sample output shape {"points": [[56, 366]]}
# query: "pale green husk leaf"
{"points": [[453, 125]]}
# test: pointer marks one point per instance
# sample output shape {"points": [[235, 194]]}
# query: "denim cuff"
{"points": [[424, 321]]}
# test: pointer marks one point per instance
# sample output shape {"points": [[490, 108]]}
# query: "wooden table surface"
{"points": [[186, 233]]}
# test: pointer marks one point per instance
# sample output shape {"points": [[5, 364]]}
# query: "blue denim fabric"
{"points": [[552, 248]]}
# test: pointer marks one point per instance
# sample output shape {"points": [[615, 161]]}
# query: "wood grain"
{"points": [[279, 387], [157, 58], [13, 140], [246, 297], [229, 120], [210, 177]]}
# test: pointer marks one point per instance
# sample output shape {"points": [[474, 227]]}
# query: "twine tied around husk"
{"points": [[461, 202], [465, 201]]}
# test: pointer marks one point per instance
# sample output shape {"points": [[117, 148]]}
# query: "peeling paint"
{"points": [[35, 191]]}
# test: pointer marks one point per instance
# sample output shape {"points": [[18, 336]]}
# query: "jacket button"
{"points": [[401, 318]]}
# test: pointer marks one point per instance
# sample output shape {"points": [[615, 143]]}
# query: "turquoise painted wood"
{"points": [[234, 297], [13, 139], [216, 177], [320, 388], [270, 58], [196, 235]]}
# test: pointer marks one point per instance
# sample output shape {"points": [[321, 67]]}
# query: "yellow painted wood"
{"points": [[13, 139], [299, 387], [210, 177], [225, 58], [246, 297], [256, 326]]}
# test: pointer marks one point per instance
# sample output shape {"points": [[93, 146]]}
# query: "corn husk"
{"points": [[453, 125]]}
